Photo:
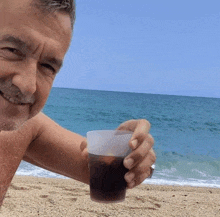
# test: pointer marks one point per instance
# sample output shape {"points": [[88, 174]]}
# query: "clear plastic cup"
{"points": [[107, 150]]}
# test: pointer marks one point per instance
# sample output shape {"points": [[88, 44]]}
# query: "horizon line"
{"points": [[138, 92]]}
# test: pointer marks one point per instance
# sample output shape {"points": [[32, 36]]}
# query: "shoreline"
{"points": [[183, 184], [34, 196], [149, 182]]}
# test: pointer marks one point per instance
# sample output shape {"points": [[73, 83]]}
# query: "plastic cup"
{"points": [[107, 150]]}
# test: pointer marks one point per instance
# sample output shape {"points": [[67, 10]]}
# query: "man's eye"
{"points": [[11, 53], [48, 67], [13, 50]]}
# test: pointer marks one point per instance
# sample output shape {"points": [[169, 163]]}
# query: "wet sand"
{"points": [[31, 196]]}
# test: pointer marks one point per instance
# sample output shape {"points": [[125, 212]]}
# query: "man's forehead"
{"points": [[31, 8], [19, 3], [56, 26], [12, 4]]}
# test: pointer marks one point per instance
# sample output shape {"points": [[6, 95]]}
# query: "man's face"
{"points": [[32, 48]]}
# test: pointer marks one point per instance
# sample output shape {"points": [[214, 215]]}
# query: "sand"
{"points": [[31, 196]]}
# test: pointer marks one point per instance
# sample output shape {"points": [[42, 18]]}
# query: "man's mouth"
{"points": [[11, 99]]}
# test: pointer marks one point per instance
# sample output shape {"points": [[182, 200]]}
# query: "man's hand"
{"points": [[142, 156]]}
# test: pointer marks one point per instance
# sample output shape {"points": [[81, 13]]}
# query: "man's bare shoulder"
{"points": [[38, 124]]}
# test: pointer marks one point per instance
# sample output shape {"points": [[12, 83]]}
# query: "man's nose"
{"points": [[26, 79]]}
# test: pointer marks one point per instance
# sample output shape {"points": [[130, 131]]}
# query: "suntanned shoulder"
{"points": [[40, 123], [47, 129]]}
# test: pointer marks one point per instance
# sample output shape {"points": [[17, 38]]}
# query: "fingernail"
{"points": [[134, 143], [129, 163], [129, 177], [131, 185]]}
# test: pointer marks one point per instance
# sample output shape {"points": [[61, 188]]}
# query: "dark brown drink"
{"points": [[107, 183]]}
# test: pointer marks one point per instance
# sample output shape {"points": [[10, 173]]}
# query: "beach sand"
{"points": [[31, 196]]}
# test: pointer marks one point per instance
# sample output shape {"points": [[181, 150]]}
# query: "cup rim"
{"points": [[123, 131]]}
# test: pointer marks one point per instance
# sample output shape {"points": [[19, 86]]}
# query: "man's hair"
{"points": [[66, 6]]}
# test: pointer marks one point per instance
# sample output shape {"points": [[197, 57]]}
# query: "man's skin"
{"points": [[32, 48]]}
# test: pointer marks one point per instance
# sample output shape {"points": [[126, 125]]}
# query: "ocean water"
{"points": [[186, 130]]}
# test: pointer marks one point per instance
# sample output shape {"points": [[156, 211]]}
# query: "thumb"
{"points": [[84, 149]]}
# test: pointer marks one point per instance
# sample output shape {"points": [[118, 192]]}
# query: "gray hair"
{"points": [[67, 6]]}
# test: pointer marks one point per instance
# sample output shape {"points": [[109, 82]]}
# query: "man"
{"points": [[34, 38]]}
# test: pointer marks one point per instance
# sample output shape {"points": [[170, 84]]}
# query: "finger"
{"points": [[136, 156], [139, 153], [142, 138], [144, 170], [140, 133], [137, 182], [85, 154], [128, 125], [83, 145], [141, 171], [133, 125], [83, 148]]}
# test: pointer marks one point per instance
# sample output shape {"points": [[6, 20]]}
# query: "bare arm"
{"points": [[58, 150], [64, 152]]}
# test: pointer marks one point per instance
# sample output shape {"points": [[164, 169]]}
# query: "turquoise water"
{"points": [[186, 129]]}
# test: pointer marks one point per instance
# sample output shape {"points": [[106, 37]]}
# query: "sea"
{"points": [[186, 130]]}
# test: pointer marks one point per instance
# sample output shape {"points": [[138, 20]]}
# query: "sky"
{"points": [[160, 47]]}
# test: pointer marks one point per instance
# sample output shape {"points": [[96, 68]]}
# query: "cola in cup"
{"points": [[107, 150]]}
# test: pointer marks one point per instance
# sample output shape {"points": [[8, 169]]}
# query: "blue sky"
{"points": [[160, 47]]}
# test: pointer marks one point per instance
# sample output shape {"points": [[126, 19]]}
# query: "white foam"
{"points": [[190, 182], [38, 172], [201, 173]]}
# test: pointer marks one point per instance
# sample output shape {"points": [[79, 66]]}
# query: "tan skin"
{"points": [[26, 70]]}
